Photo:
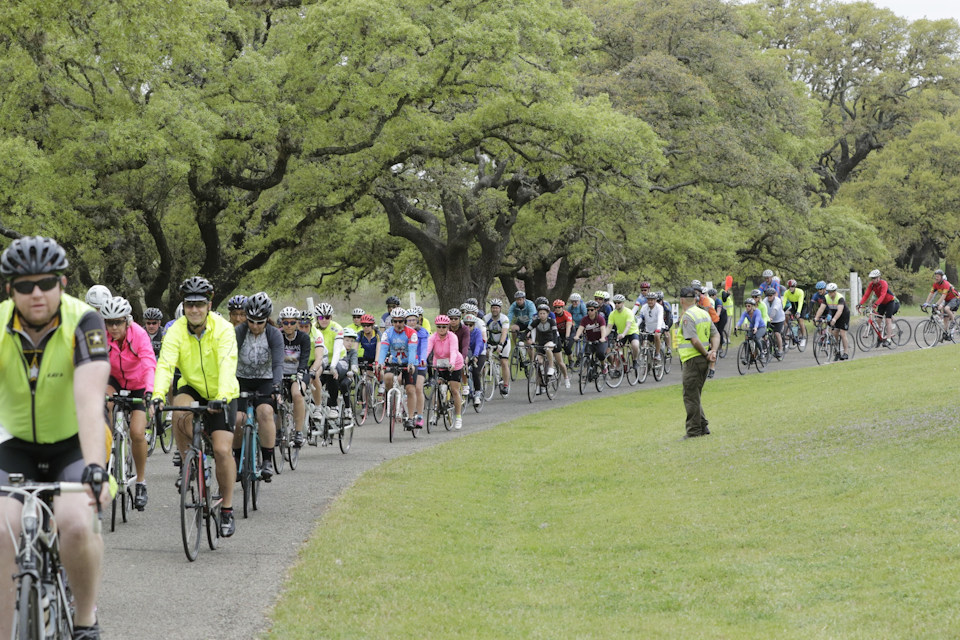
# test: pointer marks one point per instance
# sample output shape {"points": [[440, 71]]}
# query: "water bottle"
{"points": [[207, 467]]}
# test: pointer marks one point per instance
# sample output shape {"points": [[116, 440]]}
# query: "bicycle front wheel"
{"points": [[644, 367], [166, 434], [191, 504], [657, 367], [551, 385], [532, 380], [633, 367], [379, 402], [280, 445], [743, 358], [928, 333], [212, 517], [28, 616], [667, 361], [255, 477], [392, 412], [724, 344], [346, 434], [151, 435], [866, 336], [489, 378]]}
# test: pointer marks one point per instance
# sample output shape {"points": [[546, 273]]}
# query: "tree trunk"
{"points": [[951, 270]]}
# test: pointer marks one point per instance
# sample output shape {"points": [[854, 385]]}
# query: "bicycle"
{"points": [[724, 344], [519, 361], [378, 397], [827, 347], [121, 465], [537, 379], [930, 332], [286, 450], [364, 393], [397, 402], [490, 376], [747, 355], [251, 455], [648, 362], [792, 337], [592, 369], [871, 332], [44, 603], [197, 503], [481, 392], [440, 403], [322, 431], [628, 368]]}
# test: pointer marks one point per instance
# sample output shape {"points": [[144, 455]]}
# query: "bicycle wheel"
{"points": [[928, 333], [600, 378], [724, 345], [446, 407], [515, 363], [150, 432], [360, 403], [280, 443], [901, 333], [866, 336], [112, 470], [166, 434], [212, 517], [667, 361], [583, 374], [657, 367], [633, 367], [379, 402], [489, 378], [482, 394], [532, 380], [801, 342], [431, 403], [552, 385], [761, 362], [391, 413], [821, 350], [615, 371], [126, 502], [644, 366], [246, 469], [191, 505], [345, 437], [743, 358], [28, 616], [255, 484]]}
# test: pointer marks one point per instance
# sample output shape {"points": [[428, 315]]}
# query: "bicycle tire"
{"points": [[760, 362], [866, 336], [821, 351], [667, 362], [27, 617], [379, 403], [482, 394], [293, 455], [532, 379], [126, 503], [345, 437], [191, 507], [615, 370], [802, 342], [391, 414], [430, 402], [255, 485], [360, 403], [600, 378], [166, 435], [632, 367], [246, 470], [489, 379], [658, 367], [743, 358], [447, 406], [211, 514], [902, 332], [928, 333], [552, 385], [112, 470], [583, 374], [150, 432], [724, 344], [644, 365], [515, 363]]}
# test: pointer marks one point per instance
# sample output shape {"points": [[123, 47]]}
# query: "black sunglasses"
{"points": [[366, 325], [115, 323], [399, 321], [149, 322], [26, 286], [290, 323], [257, 322], [194, 303]]}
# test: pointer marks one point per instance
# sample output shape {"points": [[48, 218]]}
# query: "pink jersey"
{"points": [[132, 362], [445, 349]]}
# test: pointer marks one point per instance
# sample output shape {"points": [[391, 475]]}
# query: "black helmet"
{"points": [[33, 255], [541, 300], [153, 313], [593, 305], [393, 300], [259, 306], [472, 301], [236, 302], [196, 288]]}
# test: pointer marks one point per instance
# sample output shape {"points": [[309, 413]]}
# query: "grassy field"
{"points": [[824, 506]]}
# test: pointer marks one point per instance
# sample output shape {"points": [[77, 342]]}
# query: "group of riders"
{"points": [[64, 358]]}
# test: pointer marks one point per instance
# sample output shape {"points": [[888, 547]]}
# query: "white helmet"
{"points": [[832, 286], [97, 295], [767, 273], [289, 312], [115, 308], [619, 298], [575, 297], [179, 312], [323, 309], [875, 273], [358, 312], [776, 279], [349, 333], [397, 312]]}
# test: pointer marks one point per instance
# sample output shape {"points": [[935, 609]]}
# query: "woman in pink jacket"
{"points": [[132, 367], [447, 361]]}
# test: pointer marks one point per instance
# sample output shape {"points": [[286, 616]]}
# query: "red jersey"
{"points": [[948, 290], [879, 289], [563, 319]]}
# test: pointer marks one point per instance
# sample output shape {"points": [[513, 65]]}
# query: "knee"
{"points": [[75, 520]]}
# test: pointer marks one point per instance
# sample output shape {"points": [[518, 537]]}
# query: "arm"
{"points": [[145, 355], [89, 390], [304, 352], [227, 367], [169, 356]]}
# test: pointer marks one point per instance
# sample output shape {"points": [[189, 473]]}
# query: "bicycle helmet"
{"points": [[289, 312], [454, 313], [776, 279], [259, 306], [33, 255], [441, 321], [306, 317], [659, 295], [767, 273], [874, 274], [473, 301], [349, 333], [393, 300], [398, 312], [750, 301], [712, 292], [418, 310], [644, 285], [519, 294], [179, 312], [772, 291], [236, 302], [593, 305], [469, 319], [606, 295], [323, 309], [695, 284], [97, 295], [412, 313], [938, 272], [619, 298], [558, 303], [575, 297], [367, 319], [820, 285], [116, 308], [357, 312], [196, 288], [832, 286], [543, 307], [756, 293], [791, 283], [474, 309], [152, 313], [598, 294], [464, 306], [496, 302]]}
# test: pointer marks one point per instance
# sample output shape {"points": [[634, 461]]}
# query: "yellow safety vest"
{"points": [[702, 320]]}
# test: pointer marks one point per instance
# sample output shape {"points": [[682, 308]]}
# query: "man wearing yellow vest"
{"points": [[696, 331], [54, 365]]}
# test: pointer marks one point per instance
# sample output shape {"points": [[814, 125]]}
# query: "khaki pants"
{"points": [[694, 376]]}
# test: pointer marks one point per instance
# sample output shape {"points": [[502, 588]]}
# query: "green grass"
{"points": [[824, 506]]}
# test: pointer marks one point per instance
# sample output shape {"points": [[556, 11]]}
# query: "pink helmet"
{"points": [[441, 319]]}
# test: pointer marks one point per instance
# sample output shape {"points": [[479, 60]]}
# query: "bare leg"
{"points": [[226, 465], [266, 426], [299, 407], [9, 530], [81, 552], [138, 426]]}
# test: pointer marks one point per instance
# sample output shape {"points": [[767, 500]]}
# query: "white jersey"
{"points": [[652, 319], [496, 327]]}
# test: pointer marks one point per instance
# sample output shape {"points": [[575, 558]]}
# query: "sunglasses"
{"points": [[323, 317], [366, 325], [115, 323], [399, 322], [442, 326], [151, 322], [257, 322], [26, 286], [194, 303], [290, 323], [357, 317]]}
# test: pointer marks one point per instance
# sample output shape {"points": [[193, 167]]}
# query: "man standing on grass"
{"points": [[696, 330]]}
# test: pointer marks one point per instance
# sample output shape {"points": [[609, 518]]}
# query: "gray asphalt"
{"points": [[150, 590]]}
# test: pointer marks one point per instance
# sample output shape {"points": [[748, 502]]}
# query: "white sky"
{"points": [[916, 9]]}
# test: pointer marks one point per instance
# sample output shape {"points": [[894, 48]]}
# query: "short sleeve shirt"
{"points": [[592, 329]]}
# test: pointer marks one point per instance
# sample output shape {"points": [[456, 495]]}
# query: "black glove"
{"points": [[93, 473], [276, 390], [215, 405], [147, 397], [157, 403]]}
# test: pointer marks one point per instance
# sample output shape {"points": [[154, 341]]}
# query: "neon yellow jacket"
{"points": [[208, 364]]}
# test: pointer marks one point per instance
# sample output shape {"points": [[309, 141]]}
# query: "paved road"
{"points": [[150, 590]]}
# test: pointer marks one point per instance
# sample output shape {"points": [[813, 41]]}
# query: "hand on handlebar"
{"points": [[215, 406]]}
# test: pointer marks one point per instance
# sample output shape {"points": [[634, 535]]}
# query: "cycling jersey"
{"points": [[446, 351], [578, 312], [156, 340], [622, 321], [833, 302], [398, 346], [333, 341], [779, 287], [592, 329], [775, 309], [816, 300], [422, 344], [260, 357], [881, 290], [314, 332], [652, 318], [764, 311], [477, 346], [36, 383], [522, 314], [296, 353], [564, 320], [207, 363], [496, 327], [752, 320], [948, 290], [793, 300], [367, 347], [132, 363], [544, 331], [640, 303]]}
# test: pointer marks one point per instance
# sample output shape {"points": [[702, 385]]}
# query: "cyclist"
{"points": [[399, 345], [564, 328], [578, 310], [770, 281], [497, 327], [237, 313], [478, 355], [132, 368], [330, 337], [641, 300], [761, 304], [886, 304], [667, 320], [836, 304], [651, 321], [819, 294], [203, 345], [423, 321], [603, 299], [543, 333], [721, 310], [777, 318], [726, 297], [152, 318], [355, 325], [348, 366], [52, 425], [463, 341], [623, 325], [413, 321], [521, 312], [949, 298], [448, 362], [793, 304], [755, 325], [296, 361], [97, 295], [594, 328], [392, 303]]}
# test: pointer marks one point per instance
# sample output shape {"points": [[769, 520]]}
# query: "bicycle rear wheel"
{"points": [[724, 345], [901, 333], [280, 444], [151, 434], [615, 372], [28, 616], [667, 361], [191, 505]]}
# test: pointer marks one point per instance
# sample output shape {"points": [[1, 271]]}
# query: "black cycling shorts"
{"points": [[889, 309], [843, 321], [213, 421], [262, 387], [132, 393], [777, 326], [450, 375], [56, 462]]}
